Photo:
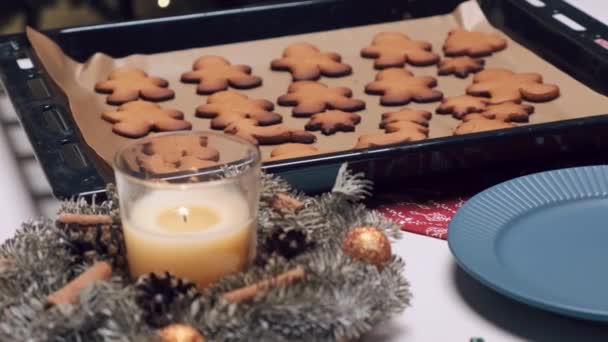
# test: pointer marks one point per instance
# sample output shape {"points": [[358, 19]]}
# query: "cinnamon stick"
{"points": [[248, 292], [286, 203], [84, 219], [4, 264], [69, 293]]}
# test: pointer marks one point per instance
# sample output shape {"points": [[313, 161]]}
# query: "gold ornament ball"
{"points": [[180, 333], [368, 244]]}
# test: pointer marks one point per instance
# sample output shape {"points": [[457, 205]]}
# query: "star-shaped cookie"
{"points": [[459, 106], [332, 121], [460, 66]]}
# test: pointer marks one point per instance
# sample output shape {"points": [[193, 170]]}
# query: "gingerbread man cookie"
{"points": [[138, 118], [421, 117], [333, 121], [128, 84], [474, 123], [461, 42], [402, 126], [398, 126], [175, 153], [460, 66], [406, 132], [502, 85], [250, 130], [459, 106], [227, 106], [394, 49], [509, 112], [306, 62], [214, 73], [311, 97], [399, 87], [293, 150]]}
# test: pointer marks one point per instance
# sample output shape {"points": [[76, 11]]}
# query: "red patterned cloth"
{"points": [[426, 217]]}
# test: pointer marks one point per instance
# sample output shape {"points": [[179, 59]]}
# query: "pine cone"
{"points": [[96, 242], [287, 244], [155, 295]]}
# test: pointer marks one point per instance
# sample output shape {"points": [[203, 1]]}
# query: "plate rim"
{"points": [[515, 294]]}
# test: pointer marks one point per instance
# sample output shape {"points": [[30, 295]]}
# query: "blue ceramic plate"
{"points": [[540, 239]]}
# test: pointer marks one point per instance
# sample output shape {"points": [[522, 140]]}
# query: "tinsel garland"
{"points": [[340, 298]]}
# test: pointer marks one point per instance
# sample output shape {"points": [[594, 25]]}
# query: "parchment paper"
{"points": [[77, 80]]}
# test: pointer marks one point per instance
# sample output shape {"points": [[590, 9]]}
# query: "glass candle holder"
{"points": [[188, 204]]}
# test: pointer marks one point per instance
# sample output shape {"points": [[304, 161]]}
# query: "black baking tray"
{"points": [[484, 158]]}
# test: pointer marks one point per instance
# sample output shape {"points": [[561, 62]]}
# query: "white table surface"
{"points": [[448, 305], [598, 9]]}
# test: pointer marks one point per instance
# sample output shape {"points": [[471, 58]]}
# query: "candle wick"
{"points": [[183, 212]]}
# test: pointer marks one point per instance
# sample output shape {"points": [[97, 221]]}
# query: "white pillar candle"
{"points": [[200, 234]]}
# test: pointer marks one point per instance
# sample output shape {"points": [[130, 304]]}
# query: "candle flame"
{"points": [[183, 212]]}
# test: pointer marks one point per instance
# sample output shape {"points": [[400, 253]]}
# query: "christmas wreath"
{"points": [[324, 271]]}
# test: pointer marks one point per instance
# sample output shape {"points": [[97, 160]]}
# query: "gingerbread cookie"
{"points": [[311, 97], [128, 84], [474, 123], [412, 133], [461, 42], [293, 150], [138, 118], [459, 106], [399, 87], [307, 62], [250, 130], [394, 49], [502, 85], [156, 164], [509, 112], [227, 106], [460, 66], [333, 121], [214, 73], [399, 127], [175, 153], [421, 117]]}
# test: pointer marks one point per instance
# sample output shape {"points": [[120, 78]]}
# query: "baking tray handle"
{"points": [[48, 124]]}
